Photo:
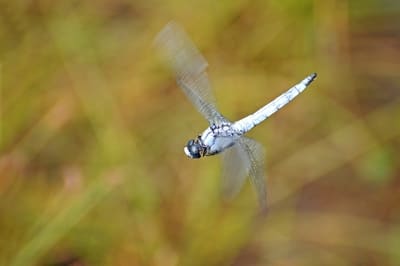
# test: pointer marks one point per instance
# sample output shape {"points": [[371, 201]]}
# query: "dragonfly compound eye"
{"points": [[193, 149]]}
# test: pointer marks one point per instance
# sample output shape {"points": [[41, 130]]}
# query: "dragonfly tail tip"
{"points": [[313, 75], [310, 78]]}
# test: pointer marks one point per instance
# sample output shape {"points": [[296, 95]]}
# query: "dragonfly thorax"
{"points": [[213, 140]]}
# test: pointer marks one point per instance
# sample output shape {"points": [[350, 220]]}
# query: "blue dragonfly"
{"points": [[241, 156]]}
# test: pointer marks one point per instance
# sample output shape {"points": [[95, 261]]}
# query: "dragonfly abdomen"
{"points": [[246, 124]]}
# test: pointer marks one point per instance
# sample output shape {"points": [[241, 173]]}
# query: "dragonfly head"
{"points": [[194, 149]]}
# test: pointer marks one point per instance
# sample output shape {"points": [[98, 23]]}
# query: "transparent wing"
{"points": [[256, 154], [245, 158], [189, 67], [235, 168]]}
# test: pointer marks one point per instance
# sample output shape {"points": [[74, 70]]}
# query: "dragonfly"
{"points": [[242, 156]]}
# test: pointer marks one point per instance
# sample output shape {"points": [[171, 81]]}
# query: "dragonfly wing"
{"points": [[245, 158], [189, 67], [256, 154], [235, 168]]}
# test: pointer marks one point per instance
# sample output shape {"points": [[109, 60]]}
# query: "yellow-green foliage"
{"points": [[92, 129]]}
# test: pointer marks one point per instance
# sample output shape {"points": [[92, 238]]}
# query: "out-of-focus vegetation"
{"points": [[92, 170]]}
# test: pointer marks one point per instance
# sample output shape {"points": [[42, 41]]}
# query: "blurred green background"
{"points": [[92, 169]]}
